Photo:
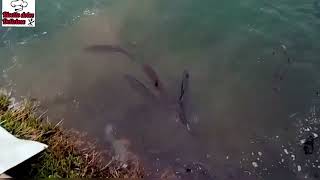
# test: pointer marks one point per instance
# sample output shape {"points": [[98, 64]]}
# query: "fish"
{"points": [[140, 87], [182, 99], [153, 77], [182, 116], [157, 84], [105, 48], [178, 104], [184, 85]]}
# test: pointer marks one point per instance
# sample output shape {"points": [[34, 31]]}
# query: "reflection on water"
{"points": [[245, 128]]}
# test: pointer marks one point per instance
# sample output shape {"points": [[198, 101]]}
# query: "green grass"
{"points": [[70, 154]]}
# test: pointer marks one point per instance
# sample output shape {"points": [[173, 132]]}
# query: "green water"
{"points": [[228, 49]]}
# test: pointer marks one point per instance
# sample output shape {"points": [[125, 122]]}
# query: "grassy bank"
{"points": [[70, 154]]}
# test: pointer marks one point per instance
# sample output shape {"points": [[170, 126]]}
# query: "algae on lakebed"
{"points": [[70, 154]]}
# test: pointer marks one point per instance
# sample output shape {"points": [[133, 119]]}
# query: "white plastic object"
{"points": [[14, 151]]}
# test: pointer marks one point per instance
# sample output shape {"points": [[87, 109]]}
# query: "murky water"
{"points": [[250, 120]]}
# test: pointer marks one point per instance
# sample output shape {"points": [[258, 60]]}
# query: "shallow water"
{"points": [[231, 49]]}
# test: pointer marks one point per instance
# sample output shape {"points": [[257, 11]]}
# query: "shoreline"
{"points": [[71, 154]]}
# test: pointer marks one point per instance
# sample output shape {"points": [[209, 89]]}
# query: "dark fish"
{"points": [[104, 48], [140, 87], [182, 99], [184, 85], [152, 75], [180, 106]]}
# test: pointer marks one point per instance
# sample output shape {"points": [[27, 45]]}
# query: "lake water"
{"points": [[251, 121]]}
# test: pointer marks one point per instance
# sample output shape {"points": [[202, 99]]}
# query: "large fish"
{"points": [[140, 87], [179, 104], [184, 85], [105, 48], [156, 82], [183, 98]]}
